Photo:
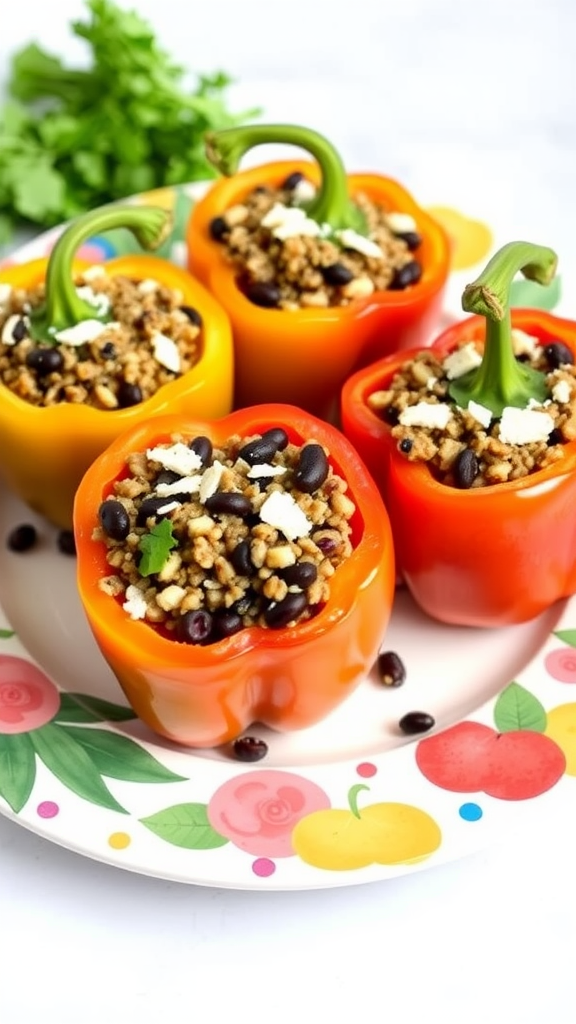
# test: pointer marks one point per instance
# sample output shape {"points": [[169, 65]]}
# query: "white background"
{"points": [[467, 103]]}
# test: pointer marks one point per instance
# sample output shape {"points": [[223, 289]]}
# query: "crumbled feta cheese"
{"points": [[169, 507], [99, 300], [281, 511], [83, 332], [426, 414], [431, 382], [303, 191], [135, 603], [147, 286], [178, 457], [289, 221], [523, 426], [183, 485], [5, 294], [165, 351], [210, 480], [91, 273], [561, 392], [523, 344], [351, 239], [8, 329], [401, 223], [480, 413], [265, 469], [461, 361]]}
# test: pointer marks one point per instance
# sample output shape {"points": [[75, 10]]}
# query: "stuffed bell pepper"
{"points": [[473, 445], [319, 272], [87, 351], [234, 571]]}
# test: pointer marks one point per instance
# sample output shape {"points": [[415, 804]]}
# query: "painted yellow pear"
{"points": [[561, 727]]}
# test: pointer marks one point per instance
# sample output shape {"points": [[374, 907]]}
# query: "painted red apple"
{"points": [[470, 757]]}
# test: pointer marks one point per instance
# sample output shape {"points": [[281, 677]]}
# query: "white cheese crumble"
{"points": [[303, 191], [135, 603], [561, 392], [91, 273], [147, 286], [523, 426], [461, 361], [99, 300], [265, 469], [351, 239], [178, 457], [84, 332], [8, 329], [281, 511], [289, 221], [169, 507], [401, 223], [523, 344], [183, 485], [426, 414], [480, 413], [210, 480], [165, 351], [5, 294]]}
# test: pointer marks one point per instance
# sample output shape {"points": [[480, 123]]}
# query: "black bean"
{"points": [[249, 748], [128, 394], [167, 476], [558, 354], [416, 721], [114, 519], [22, 538], [302, 574], [336, 274], [241, 560], [244, 604], [193, 315], [265, 447], [230, 503], [66, 543], [203, 448], [195, 627], [405, 445], [108, 351], [555, 437], [391, 668], [149, 509], [19, 331], [466, 468], [218, 229], [227, 622], [263, 293], [281, 613], [294, 179], [404, 276], [327, 544], [45, 360], [312, 468], [412, 239]]}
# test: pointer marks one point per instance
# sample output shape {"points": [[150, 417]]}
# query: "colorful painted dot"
{"points": [[119, 840], [470, 812], [263, 867], [47, 809], [366, 770]]}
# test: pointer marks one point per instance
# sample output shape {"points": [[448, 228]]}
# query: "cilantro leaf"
{"points": [[155, 547]]}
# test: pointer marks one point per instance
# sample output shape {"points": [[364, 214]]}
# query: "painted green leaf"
{"points": [[103, 710], [17, 769], [185, 825], [5, 634], [568, 636], [531, 295], [70, 763], [517, 708], [71, 712], [120, 757]]}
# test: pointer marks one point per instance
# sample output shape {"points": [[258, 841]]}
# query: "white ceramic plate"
{"points": [[351, 800]]}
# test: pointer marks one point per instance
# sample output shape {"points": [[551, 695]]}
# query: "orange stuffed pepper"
{"points": [[319, 272], [234, 571], [86, 352]]}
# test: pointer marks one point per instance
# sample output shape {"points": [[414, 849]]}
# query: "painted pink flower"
{"points": [[257, 811], [27, 697], [561, 664]]}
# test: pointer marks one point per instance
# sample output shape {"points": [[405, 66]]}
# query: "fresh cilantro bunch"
{"points": [[73, 139]]}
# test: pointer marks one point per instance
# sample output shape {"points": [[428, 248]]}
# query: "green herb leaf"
{"points": [[155, 547], [185, 825], [17, 769], [119, 757], [517, 708]]}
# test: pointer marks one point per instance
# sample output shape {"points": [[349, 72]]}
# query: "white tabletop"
{"points": [[457, 100]]}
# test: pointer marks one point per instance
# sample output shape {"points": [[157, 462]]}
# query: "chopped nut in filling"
{"points": [[468, 447], [286, 260], [204, 541], [150, 338]]}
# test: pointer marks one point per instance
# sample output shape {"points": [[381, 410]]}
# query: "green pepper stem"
{"points": [[63, 307], [500, 380], [353, 793], [331, 204]]}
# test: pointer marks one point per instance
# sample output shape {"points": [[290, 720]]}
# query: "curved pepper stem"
{"points": [[63, 307], [501, 380], [331, 205]]}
